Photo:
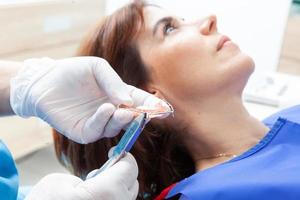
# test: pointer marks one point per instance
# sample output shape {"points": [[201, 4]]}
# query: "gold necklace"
{"points": [[229, 155]]}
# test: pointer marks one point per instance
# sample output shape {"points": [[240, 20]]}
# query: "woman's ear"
{"points": [[153, 90]]}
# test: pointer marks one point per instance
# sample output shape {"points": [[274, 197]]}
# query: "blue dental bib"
{"points": [[268, 171]]}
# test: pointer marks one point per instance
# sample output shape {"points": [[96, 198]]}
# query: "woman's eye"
{"points": [[169, 28]]}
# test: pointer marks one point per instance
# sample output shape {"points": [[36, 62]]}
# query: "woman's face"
{"points": [[190, 60]]}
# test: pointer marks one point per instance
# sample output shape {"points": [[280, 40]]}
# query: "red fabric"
{"points": [[165, 192]]}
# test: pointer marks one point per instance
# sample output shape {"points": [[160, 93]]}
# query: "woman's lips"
{"points": [[222, 41]]}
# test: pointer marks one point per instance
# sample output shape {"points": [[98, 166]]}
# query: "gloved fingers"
{"points": [[134, 190], [54, 186], [138, 96], [110, 152], [144, 100], [119, 120], [60, 178], [122, 174], [110, 82], [125, 170], [95, 125]]}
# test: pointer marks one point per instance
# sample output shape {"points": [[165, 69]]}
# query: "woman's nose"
{"points": [[208, 25]]}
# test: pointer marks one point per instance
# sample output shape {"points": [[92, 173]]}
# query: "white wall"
{"points": [[6, 2]]}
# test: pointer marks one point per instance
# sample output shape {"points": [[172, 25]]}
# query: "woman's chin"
{"points": [[249, 64], [243, 63], [238, 71], [247, 67]]}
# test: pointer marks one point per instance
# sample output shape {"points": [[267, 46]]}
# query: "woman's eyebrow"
{"points": [[161, 21]]}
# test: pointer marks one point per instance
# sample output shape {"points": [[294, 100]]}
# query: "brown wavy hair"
{"points": [[161, 157]]}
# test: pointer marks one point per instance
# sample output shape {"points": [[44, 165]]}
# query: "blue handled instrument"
{"points": [[127, 141]]}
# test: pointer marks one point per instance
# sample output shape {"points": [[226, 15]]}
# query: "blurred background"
{"points": [[54, 28], [39, 28]]}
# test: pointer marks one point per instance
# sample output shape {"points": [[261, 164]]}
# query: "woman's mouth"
{"points": [[223, 40]]}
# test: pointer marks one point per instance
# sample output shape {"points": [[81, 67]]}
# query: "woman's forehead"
{"points": [[152, 14]]}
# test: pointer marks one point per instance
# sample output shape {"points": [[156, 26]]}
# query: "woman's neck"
{"points": [[220, 130]]}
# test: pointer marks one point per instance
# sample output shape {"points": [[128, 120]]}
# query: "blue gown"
{"points": [[268, 171], [9, 181]]}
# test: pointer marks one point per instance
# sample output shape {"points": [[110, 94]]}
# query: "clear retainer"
{"points": [[150, 113]]}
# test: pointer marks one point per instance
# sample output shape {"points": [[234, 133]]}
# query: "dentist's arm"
{"points": [[77, 96], [7, 71]]}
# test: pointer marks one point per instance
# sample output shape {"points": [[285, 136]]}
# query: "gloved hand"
{"points": [[118, 182], [77, 96]]}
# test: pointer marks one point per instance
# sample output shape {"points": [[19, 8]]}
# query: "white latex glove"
{"points": [[77, 96], [118, 182]]}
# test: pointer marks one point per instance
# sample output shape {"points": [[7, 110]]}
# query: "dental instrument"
{"points": [[125, 144], [132, 133]]}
